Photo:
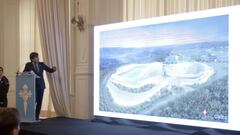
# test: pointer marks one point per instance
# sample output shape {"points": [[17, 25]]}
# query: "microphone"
{"points": [[19, 68]]}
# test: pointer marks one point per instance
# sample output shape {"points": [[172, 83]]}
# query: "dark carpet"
{"points": [[68, 126]]}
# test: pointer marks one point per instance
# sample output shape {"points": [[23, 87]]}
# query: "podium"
{"points": [[25, 96]]}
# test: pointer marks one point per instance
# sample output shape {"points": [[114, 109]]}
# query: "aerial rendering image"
{"points": [[175, 69]]}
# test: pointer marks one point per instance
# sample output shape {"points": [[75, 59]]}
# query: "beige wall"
{"points": [[95, 12], [1, 33], [9, 42]]}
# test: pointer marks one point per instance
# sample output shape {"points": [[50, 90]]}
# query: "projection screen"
{"points": [[179, 69]]}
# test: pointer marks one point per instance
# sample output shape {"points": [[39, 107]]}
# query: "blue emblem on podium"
{"points": [[25, 96]]}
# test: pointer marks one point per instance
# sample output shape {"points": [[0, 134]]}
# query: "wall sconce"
{"points": [[78, 22]]}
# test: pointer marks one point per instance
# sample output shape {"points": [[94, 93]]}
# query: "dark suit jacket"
{"points": [[39, 81], [4, 86]]}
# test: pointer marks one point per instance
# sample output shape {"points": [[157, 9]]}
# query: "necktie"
{"points": [[36, 67]]}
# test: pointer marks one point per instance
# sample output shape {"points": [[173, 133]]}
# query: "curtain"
{"points": [[29, 42], [54, 28], [138, 9]]}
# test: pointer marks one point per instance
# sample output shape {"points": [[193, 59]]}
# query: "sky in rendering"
{"points": [[172, 33]]}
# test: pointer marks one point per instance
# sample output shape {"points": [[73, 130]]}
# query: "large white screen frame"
{"points": [[110, 40]]}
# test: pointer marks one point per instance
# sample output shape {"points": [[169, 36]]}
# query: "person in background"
{"points": [[4, 87], [9, 121], [38, 68]]}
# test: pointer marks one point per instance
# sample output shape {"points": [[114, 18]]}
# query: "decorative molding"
{"points": [[72, 104], [84, 70], [83, 97]]}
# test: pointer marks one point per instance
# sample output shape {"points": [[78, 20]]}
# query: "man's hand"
{"points": [[54, 68]]}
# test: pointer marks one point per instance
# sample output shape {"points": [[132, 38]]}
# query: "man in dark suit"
{"points": [[4, 87], [38, 68]]}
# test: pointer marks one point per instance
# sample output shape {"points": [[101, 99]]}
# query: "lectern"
{"points": [[25, 96]]}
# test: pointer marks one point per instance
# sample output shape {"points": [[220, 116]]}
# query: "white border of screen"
{"points": [[234, 67]]}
